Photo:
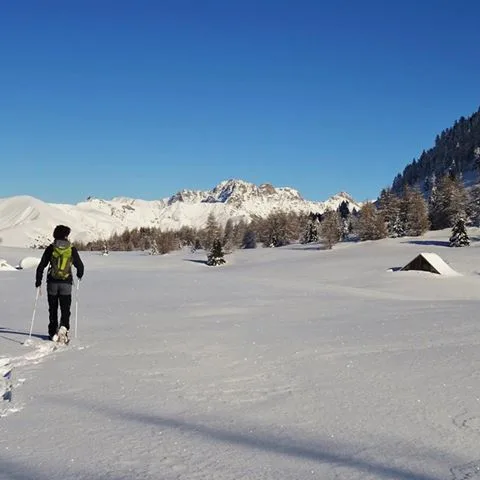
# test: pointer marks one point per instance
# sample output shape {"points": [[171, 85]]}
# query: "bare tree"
{"points": [[416, 213], [210, 232], [370, 225], [331, 228], [448, 202]]}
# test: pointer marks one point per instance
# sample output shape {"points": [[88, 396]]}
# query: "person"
{"points": [[59, 256]]}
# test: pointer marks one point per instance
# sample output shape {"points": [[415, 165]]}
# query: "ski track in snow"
{"points": [[38, 351]]}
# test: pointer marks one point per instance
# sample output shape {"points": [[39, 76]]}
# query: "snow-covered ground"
{"points": [[291, 363]]}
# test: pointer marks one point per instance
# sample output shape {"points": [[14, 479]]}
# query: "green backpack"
{"points": [[61, 262]]}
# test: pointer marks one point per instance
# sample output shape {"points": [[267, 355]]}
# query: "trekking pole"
{"points": [[76, 306], [34, 311]]}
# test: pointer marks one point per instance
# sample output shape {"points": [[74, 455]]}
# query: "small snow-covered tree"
{"points": [[459, 236], [310, 235], [216, 255]]}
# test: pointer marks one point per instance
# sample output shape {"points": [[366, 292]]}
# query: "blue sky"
{"points": [[143, 98]]}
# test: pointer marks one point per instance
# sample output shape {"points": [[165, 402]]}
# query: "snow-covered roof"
{"points": [[436, 262]]}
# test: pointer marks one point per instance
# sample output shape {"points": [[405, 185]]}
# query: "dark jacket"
{"points": [[47, 256]]}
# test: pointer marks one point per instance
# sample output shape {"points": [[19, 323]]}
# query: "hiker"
{"points": [[59, 256]]}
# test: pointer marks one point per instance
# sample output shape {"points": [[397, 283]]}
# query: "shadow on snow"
{"points": [[9, 331], [433, 243], [324, 454]]}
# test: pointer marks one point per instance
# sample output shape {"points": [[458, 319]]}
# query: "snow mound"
{"points": [[4, 266], [28, 262]]}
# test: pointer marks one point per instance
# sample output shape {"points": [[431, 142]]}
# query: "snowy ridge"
{"points": [[26, 221]]}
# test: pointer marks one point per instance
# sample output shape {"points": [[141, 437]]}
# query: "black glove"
{"points": [[38, 284]]}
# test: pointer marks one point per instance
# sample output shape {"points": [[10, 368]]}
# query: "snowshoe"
{"points": [[62, 336]]}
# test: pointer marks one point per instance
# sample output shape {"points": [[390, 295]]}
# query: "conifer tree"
{"points": [[459, 236], [216, 255], [311, 232], [343, 210]]}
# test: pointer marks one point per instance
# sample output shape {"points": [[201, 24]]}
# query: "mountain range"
{"points": [[28, 222]]}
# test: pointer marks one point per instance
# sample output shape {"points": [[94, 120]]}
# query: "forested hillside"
{"points": [[456, 151]]}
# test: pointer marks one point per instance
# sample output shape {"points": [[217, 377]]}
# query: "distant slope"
{"points": [[457, 149], [26, 221]]}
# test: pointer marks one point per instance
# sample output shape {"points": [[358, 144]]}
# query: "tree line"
{"points": [[391, 215], [276, 230]]}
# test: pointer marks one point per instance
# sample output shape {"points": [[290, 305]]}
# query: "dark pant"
{"points": [[59, 293]]}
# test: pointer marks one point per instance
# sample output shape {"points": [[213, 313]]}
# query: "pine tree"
{"points": [[311, 232], [216, 255], [459, 236], [344, 210]]}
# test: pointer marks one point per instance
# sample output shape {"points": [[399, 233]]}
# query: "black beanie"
{"points": [[61, 232]]}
